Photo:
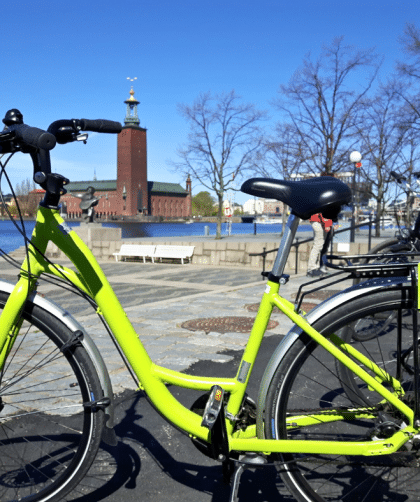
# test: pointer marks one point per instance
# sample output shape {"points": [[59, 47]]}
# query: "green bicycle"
{"points": [[340, 418]]}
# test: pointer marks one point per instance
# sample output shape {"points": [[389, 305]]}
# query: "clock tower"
{"points": [[132, 193]]}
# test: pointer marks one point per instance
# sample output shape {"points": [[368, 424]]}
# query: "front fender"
{"points": [[68, 320], [314, 315]]}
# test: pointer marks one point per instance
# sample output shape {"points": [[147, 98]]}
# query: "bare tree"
{"points": [[410, 70], [321, 104], [409, 163], [383, 137], [281, 156], [224, 138], [28, 204]]}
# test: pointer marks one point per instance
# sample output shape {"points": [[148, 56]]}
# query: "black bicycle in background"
{"points": [[406, 240], [404, 246]]}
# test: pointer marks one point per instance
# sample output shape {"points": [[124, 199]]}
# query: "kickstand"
{"points": [[239, 469], [247, 461]]}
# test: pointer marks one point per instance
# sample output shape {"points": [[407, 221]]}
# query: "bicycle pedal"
{"points": [[213, 407]]}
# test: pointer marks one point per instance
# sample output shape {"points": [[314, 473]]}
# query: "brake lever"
{"points": [[82, 137], [7, 145], [68, 135], [7, 136]]}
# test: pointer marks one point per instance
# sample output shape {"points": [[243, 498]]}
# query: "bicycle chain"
{"points": [[376, 461], [325, 411]]}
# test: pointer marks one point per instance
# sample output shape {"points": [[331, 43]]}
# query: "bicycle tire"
{"points": [[49, 434], [362, 333], [366, 329], [307, 380]]}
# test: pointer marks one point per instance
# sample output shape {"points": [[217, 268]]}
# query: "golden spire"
{"points": [[131, 118], [132, 98]]}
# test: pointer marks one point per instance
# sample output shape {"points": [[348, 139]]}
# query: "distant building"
{"points": [[346, 177], [253, 206], [131, 194], [263, 206]]}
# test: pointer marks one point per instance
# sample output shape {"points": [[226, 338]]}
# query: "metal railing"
{"points": [[298, 242]]}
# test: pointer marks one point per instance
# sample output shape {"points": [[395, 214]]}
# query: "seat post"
{"points": [[285, 245]]}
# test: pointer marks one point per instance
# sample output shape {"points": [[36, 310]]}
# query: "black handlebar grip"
{"points": [[32, 136], [100, 125], [397, 176]]}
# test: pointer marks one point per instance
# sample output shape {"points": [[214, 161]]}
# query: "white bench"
{"points": [[136, 250], [174, 252]]}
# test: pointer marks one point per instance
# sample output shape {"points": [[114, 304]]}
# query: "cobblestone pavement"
{"points": [[153, 461], [159, 298]]}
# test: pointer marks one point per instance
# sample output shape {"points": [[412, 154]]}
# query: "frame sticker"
{"points": [[243, 371], [64, 228]]}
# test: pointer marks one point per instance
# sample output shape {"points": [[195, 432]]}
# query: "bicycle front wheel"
{"points": [[309, 387], [49, 433]]}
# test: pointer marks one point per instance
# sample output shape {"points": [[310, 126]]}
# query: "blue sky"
{"points": [[72, 60]]}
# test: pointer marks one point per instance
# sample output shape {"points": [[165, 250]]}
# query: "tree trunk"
{"points": [[219, 218]]}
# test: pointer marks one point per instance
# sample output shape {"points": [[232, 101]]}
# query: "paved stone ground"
{"points": [[158, 298], [153, 461]]}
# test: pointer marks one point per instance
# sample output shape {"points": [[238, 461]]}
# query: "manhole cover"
{"points": [[224, 324]]}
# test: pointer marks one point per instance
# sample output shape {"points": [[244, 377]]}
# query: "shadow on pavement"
{"points": [[155, 462]]}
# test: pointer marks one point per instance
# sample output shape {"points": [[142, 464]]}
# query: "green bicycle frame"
{"points": [[154, 379]]}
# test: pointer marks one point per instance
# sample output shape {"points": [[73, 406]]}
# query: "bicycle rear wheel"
{"points": [[310, 382], [49, 434]]}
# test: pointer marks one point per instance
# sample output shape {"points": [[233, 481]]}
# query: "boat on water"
{"points": [[248, 219], [265, 220], [385, 221]]}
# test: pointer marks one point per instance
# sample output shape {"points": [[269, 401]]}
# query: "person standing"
{"points": [[321, 227]]}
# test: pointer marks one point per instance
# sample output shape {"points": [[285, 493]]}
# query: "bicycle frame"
{"points": [[153, 379]]}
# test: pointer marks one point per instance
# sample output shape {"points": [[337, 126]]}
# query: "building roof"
{"points": [[154, 187], [169, 188], [98, 185]]}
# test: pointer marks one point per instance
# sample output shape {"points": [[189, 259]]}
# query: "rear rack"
{"points": [[391, 264], [358, 267], [300, 295]]}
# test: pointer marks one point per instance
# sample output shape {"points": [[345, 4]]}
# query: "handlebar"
{"points": [[18, 136], [101, 125], [402, 180], [60, 131], [32, 136], [397, 176], [65, 130], [415, 232]]}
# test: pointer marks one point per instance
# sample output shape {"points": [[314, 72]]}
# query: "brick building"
{"points": [[131, 194], [263, 206]]}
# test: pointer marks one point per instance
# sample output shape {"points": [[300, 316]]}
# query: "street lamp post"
{"points": [[355, 158]]}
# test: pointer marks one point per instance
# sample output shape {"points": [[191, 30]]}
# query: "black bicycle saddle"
{"points": [[323, 194]]}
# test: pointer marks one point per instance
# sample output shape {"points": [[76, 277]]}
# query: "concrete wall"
{"points": [[222, 253]]}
